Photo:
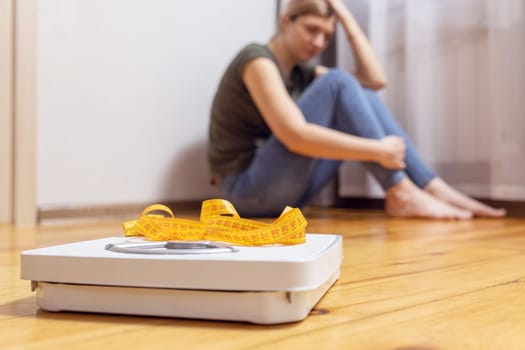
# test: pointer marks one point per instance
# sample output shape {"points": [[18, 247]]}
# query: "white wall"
{"points": [[124, 91]]}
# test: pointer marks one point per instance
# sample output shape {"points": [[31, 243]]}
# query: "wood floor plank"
{"points": [[474, 320], [405, 285]]}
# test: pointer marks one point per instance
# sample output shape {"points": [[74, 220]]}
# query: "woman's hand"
{"points": [[392, 155], [339, 8], [368, 69]]}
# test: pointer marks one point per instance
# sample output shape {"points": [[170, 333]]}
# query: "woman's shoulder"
{"points": [[246, 54], [254, 50]]}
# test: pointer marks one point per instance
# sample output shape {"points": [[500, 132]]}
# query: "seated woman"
{"points": [[280, 127]]}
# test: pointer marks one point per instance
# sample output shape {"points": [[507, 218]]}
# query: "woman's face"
{"points": [[308, 35]]}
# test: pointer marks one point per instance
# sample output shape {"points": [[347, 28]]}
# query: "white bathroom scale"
{"points": [[203, 280]]}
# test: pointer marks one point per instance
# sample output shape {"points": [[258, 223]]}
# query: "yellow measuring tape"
{"points": [[219, 222]]}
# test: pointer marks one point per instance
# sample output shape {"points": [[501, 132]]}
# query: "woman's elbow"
{"points": [[378, 84], [295, 147], [292, 145], [293, 141]]}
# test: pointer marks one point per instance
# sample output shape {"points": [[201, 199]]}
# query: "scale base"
{"points": [[242, 306]]}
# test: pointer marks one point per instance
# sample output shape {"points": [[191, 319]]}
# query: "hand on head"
{"points": [[338, 7]]}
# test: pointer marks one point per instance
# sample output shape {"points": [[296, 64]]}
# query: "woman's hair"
{"points": [[296, 8]]}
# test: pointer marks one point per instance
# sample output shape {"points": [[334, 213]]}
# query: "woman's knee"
{"points": [[371, 94], [342, 78]]}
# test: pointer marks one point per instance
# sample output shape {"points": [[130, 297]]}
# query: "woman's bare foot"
{"points": [[440, 189], [407, 200]]}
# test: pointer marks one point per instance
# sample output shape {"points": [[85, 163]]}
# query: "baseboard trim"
{"points": [[111, 211], [514, 208], [364, 203]]}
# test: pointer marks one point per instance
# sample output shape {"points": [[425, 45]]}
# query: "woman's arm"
{"points": [[369, 71], [288, 124]]}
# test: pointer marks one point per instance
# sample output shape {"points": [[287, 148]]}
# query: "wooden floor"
{"points": [[405, 285]]}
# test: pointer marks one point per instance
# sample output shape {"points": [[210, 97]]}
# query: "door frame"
{"points": [[6, 109], [25, 113]]}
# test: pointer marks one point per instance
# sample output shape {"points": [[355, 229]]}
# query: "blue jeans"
{"points": [[278, 177]]}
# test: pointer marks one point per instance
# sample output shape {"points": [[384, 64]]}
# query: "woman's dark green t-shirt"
{"points": [[237, 128]]}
